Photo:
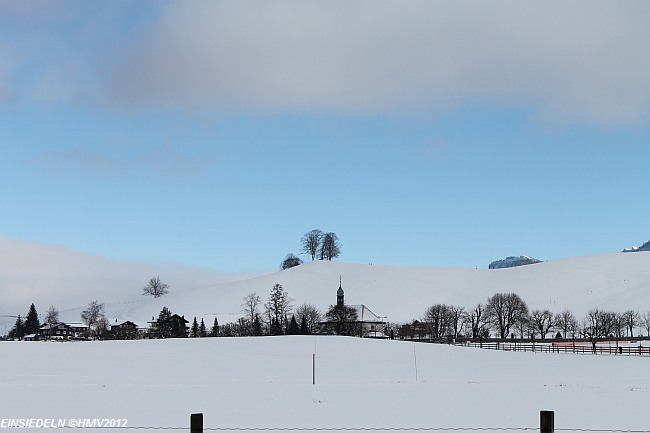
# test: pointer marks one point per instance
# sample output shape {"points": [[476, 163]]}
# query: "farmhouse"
{"points": [[63, 331], [123, 330]]}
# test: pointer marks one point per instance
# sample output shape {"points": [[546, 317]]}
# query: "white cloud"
{"points": [[560, 60], [164, 161], [563, 60], [54, 275]]}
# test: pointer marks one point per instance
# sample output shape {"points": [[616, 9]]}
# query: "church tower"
{"points": [[339, 295]]}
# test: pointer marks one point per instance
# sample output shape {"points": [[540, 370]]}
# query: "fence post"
{"points": [[546, 421], [196, 423]]}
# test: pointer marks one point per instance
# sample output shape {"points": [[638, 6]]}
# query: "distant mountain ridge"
{"points": [[512, 261], [644, 247]]}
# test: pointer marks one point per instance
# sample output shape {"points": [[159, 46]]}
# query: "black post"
{"points": [[546, 421], [196, 423]]}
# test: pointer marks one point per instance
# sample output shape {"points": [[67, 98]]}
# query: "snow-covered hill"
{"points": [[611, 281]]}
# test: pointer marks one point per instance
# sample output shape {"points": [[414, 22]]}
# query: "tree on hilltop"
{"points": [[290, 261], [156, 288], [330, 248], [311, 243]]}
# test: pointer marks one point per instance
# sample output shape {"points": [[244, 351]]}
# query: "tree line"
{"points": [[506, 315], [503, 315]]}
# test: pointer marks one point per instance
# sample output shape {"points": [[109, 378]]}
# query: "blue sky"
{"points": [[215, 134]]}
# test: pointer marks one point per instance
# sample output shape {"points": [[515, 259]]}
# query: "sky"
{"points": [[215, 134]]}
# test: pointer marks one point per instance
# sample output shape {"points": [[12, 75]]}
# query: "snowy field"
{"points": [[266, 382]]}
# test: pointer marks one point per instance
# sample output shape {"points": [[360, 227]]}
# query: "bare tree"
{"points": [[94, 317], [645, 322], [330, 248], [52, 316], [618, 325], [504, 311], [456, 315], [597, 325], [477, 321], [542, 321], [524, 326], [311, 243], [566, 322], [436, 318], [631, 320], [155, 288], [251, 306], [312, 316]]}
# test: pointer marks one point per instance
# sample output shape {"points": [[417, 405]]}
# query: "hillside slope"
{"points": [[611, 281]]}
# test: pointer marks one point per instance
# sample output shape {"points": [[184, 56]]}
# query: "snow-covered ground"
{"points": [[267, 382], [616, 281]]}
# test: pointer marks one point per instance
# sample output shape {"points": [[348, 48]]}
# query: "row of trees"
{"points": [[32, 324], [507, 315], [275, 316], [315, 244]]}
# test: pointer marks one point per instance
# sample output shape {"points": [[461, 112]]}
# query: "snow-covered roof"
{"points": [[365, 315]]}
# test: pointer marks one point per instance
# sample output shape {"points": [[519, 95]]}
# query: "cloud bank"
{"points": [[558, 60], [54, 275]]}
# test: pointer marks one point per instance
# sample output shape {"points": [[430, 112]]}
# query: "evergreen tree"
{"points": [[278, 306], [202, 331], [18, 331], [257, 326], [163, 327], [214, 332], [276, 329], [304, 329], [32, 324], [293, 328], [194, 332]]}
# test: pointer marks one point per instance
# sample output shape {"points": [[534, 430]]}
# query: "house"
{"points": [[122, 330], [171, 327], [353, 319], [64, 331]]}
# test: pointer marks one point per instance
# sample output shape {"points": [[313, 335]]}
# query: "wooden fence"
{"points": [[601, 348]]}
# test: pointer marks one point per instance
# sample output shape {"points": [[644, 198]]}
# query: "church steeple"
{"points": [[339, 295]]}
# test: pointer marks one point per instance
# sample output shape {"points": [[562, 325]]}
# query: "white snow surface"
{"points": [[615, 281], [266, 382]]}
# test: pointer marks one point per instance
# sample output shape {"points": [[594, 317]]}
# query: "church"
{"points": [[357, 320]]}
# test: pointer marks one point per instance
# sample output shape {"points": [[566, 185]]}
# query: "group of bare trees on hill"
{"points": [[315, 244], [506, 315]]}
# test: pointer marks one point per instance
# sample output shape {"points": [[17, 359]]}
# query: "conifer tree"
{"points": [[293, 328], [304, 329], [276, 329], [32, 324], [163, 325], [214, 332], [194, 332], [18, 331], [257, 326], [202, 331]]}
